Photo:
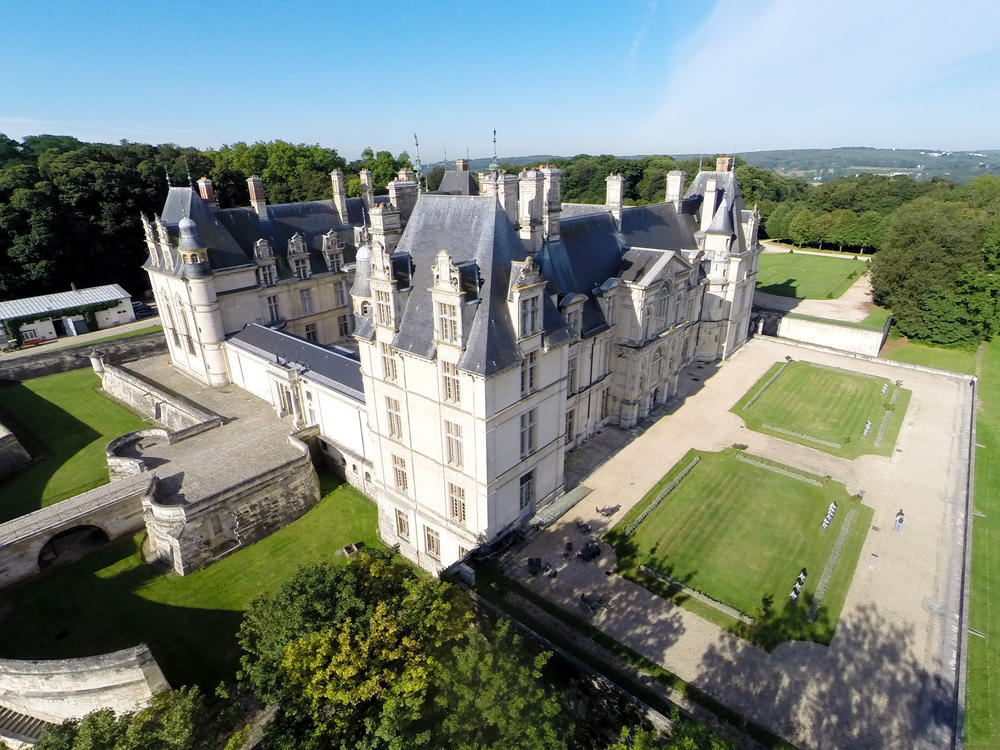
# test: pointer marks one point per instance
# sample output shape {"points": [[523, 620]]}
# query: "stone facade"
{"points": [[13, 456]]}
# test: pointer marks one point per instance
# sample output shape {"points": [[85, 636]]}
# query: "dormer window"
{"points": [[383, 308], [447, 322], [266, 275], [301, 268], [530, 317], [573, 320]]}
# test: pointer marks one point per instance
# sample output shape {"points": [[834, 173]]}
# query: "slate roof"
{"points": [[727, 189], [569, 210], [658, 226], [53, 303], [321, 364], [641, 265], [458, 182]]}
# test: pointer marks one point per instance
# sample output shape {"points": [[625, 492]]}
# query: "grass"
{"points": [[982, 719], [956, 360], [64, 422], [739, 534], [111, 600], [807, 276], [825, 409], [128, 334]]}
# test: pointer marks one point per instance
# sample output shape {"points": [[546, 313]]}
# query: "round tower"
{"points": [[209, 331]]}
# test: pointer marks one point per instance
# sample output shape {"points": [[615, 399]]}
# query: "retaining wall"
{"points": [[61, 360], [181, 417], [846, 338], [60, 689], [13, 456]]}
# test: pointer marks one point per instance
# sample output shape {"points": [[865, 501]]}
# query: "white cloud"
{"points": [[786, 74]]}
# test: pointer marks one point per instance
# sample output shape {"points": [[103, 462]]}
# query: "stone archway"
{"points": [[70, 545]]}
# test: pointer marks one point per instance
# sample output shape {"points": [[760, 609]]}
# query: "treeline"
{"points": [[69, 210], [374, 654]]}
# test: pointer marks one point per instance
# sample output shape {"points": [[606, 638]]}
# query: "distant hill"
{"points": [[824, 164]]}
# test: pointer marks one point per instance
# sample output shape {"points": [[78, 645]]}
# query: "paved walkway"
{"points": [[852, 306], [885, 679], [68, 342]]}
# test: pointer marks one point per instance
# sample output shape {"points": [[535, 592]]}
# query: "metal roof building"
{"points": [[55, 303]]}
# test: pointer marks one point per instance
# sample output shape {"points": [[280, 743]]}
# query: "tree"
{"points": [[776, 224], [800, 227], [434, 178]]}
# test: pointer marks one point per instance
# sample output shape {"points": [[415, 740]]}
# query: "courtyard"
{"points": [[886, 679], [807, 275]]}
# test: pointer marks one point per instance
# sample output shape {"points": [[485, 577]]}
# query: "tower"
{"points": [[207, 333]]}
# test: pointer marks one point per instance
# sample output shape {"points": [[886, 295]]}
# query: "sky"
{"points": [[623, 77]]}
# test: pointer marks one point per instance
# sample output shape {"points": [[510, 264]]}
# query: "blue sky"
{"points": [[623, 77]]}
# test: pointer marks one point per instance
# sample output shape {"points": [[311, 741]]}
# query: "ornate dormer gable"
{"points": [[298, 256], [524, 297], [267, 272], [381, 263], [447, 298], [163, 239], [606, 295], [384, 291], [333, 252], [147, 230], [263, 251], [571, 308]]}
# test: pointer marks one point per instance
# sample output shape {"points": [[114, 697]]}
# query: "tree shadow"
{"points": [[866, 690]]}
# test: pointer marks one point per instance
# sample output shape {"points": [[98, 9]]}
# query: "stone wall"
{"points": [[845, 338], [181, 417], [13, 456], [59, 689], [61, 360]]}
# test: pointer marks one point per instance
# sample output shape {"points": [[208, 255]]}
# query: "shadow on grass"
{"points": [[786, 288]]}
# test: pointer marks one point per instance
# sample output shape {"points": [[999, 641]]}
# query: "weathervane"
{"points": [[166, 173], [188, 170], [495, 164], [416, 165]]}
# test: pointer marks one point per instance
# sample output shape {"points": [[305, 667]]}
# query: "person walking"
{"points": [[900, 518]]}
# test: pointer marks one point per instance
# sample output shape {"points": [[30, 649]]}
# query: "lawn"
{"points": [[64, 422], [111, 600], [982, 720], [904, 350], [807, 276], [128, 334], [825, 408], [738, 529]]}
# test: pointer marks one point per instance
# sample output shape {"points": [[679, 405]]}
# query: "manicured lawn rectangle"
{"points": [[64, 422], [956, 360], [111, 600], [825, 408], [807, 276], [739, 529]]}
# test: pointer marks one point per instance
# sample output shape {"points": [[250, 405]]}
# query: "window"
{"points": [[573, 319], [604, 404], [450, 382], [388, 363], [311, 333], [383, 308], [267, 275], [432, 543], [29, 333], [678, 312], [336, 262], [453, 444], [571, 375], [527, 489], [402, 525], [456, 503], [607, 357], [343, 325], [394, 419], [306, 301], [399, 473], [272, 308], [663, 307], [447, 316], [529, 316], [528, 373], [527, 433], [462, 551], [302, 268], [310, 408], [570, 425], [340, 294]]}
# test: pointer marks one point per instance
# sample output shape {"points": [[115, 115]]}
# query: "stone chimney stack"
{"points": [[551, 201], [529, 212], [403, 194], [507, 195], [258, 201], [407, 175], [708, 202], [724, 164], [339, 195], [462, 165], [207, 192], [675, 187], [615, 195], [367, 193], [385, 226]]}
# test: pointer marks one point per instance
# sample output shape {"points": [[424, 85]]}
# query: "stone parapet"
{"points": [[13, 456], [182, 417]]}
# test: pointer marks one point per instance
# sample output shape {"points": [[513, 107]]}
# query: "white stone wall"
{"points": [[849, 339], [120, 313]]}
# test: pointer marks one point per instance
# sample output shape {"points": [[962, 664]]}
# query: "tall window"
{"points": [[570, 425], [306, 300], [267, 275], [447, 316], [528, 373], [399, 473], [604, 404], [453, 443], [573, 319], [339, 294], [311, 408], [449, 378], [571, 375], [395, 420], [527, 433], [336, 262], [678, 311], [302, 268], [311, 333], [663, 307], [343, 325], [272, 308], [388, 363], [529, 316], [527, 489], [456, 503], [383, 308], [402, 525], [432, 543]]}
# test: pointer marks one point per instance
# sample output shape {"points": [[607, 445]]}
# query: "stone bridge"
{"points": [[69, 529]]}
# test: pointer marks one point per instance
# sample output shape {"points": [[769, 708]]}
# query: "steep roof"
{"points": [[54, 303], [727, 190], [658, 226], [458, 182]]}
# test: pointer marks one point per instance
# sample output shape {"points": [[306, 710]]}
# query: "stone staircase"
{"points": [[21, 728]]}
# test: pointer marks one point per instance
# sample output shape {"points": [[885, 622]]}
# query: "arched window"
{"points": [[663, 307], [679, 310]]}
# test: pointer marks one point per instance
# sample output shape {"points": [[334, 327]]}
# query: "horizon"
{"points": [[642, 77]]}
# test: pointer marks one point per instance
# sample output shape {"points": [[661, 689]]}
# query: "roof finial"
{"points": [[495, 164], [700, 157], [166, 173], [416, 165], [188, 170]]}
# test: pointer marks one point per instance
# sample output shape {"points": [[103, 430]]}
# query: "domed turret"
{"points": [[361, 288], [194, 253]]}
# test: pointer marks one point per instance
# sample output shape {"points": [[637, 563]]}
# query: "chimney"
{"points": [[724, 164], [339, 195], [615, 195], [403, 195], [708, 203], [507, 195], [207, 191], [367, 194], [675, 188], [551, 201], [385, 226], [406, 175], [258, 201], [462, 165], [529, 211]]}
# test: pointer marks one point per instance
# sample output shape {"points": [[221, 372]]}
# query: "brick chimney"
{"points": [[724, 164], [207, 191], [462, 165], [258, 201]]}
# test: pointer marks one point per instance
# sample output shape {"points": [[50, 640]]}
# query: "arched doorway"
{"points": [[70, 545]]}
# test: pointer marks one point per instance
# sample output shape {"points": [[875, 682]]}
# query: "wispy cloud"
{"points": [[639, 37]]}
